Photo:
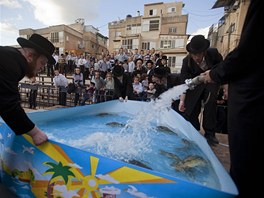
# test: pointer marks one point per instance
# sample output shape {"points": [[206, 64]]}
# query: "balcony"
{"points": [[173, 18]]}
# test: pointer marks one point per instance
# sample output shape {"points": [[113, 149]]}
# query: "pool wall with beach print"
{"points": [[58, 170]]}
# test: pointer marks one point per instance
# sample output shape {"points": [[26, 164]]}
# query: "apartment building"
{"points": [[77, 38], [226, 34], [162, 26]]}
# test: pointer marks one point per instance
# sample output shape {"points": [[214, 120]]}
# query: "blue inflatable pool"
{"points": [[60, 169]]}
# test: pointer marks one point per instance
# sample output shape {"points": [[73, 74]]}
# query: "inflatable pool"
{"points": [[60, 168]]}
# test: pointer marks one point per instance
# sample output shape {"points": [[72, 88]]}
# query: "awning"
{"points": [[223, 3]]}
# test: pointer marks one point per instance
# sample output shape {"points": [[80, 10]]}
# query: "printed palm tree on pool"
{"points": [[58, 170]]}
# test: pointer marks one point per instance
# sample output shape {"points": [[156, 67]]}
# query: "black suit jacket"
{"points": [[190, 69], [12, 69], [243, 68]]}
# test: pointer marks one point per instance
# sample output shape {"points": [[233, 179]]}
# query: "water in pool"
{"points": [[137, 139], [158, 148]]}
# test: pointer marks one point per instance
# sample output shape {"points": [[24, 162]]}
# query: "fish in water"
{"points": [[115, 124], [189, 163], [103, 114], [164, 129], [138, 163], [187, 145], [185, 164]]}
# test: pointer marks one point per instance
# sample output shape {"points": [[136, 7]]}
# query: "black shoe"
{"points": [[212, 140]]}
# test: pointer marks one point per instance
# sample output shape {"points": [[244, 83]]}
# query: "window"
{"points": [[55, 37], [171, 9], [232, 27], [153, 12], [175, 63], [179, 60], [221, 21], [172, 30], [145, 26], [179, 43], [135, 28], [61, 37], [145, 45], [117, 34], [171, 61], [166, 44], [128, 43], [128, 27], [154, 25], [172, 44]]}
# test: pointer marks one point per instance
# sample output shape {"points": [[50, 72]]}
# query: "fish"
{"points": [[165, 129], [103, 114], [187, 145], [138, 163], [170, 155], [186, 164], [115, 124]]}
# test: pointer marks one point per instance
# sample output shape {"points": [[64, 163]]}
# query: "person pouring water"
{"points": [[34, 55], [200, 59], [243, 69]]}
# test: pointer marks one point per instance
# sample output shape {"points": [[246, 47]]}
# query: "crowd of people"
{"points": [[124, 75]]}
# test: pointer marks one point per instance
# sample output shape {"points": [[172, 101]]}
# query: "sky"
{"points": [[35, 14]]}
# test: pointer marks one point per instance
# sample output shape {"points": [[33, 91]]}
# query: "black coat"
{"points": [[150, 74], [12, 69], [124, 88], [243, 69], [190, 70]]}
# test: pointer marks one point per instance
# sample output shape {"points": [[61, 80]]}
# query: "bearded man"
{"points": [[15, 64]]}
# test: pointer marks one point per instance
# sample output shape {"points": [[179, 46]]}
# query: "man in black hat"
{"points": [[34, 55], [160, 80], [243, 69], [123, 88], [200, 59], [164, 63]]}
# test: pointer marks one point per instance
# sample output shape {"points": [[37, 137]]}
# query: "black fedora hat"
{"points": [[164, 57], [149, 61], [40, 44], [197, 44], [160, 72], [118, 71]]}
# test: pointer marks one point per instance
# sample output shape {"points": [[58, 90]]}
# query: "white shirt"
{"points": [[60, 80]]}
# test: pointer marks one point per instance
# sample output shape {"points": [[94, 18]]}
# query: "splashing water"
{"points": [[132, 139], [141, 123], [154, 109], [165, 99]]}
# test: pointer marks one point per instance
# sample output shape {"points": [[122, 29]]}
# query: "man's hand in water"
{"points": [[38, 136]]}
